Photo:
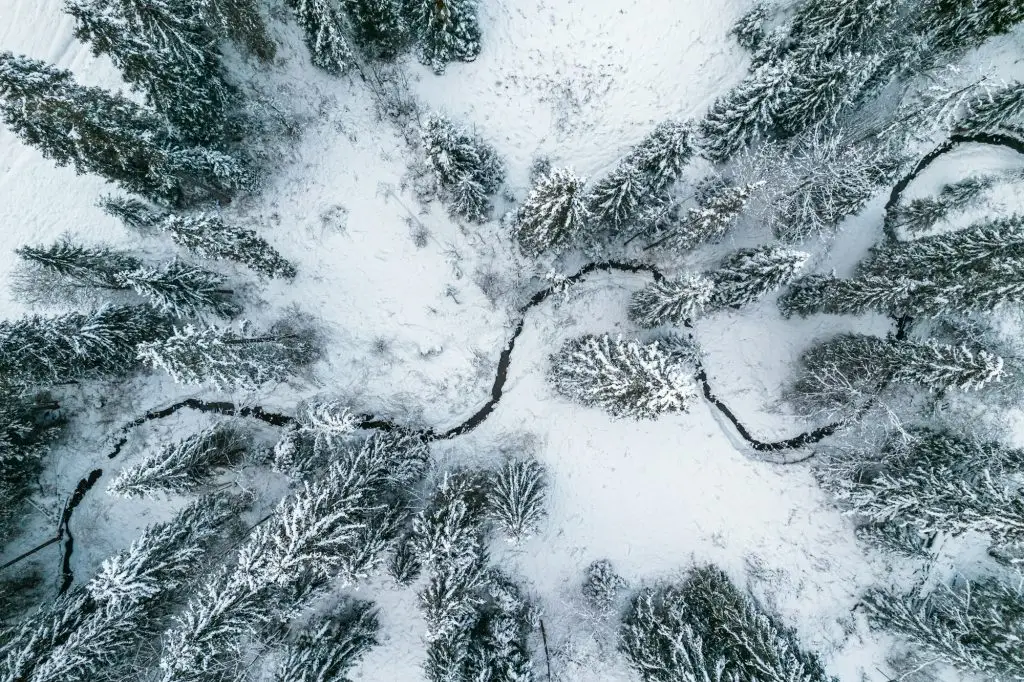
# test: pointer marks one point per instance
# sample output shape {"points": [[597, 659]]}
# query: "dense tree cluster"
{"points": [[328, 647]]}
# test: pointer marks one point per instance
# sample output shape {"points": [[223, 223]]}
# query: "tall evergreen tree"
{"points": [[445, 30], [939, 482], [921, 214], [832, 25], [960, 25], [625, 378], [820, 89], [602, 586], [97, 132], [749, 274], [322, 22], [662, 156], [182, 466], [828, 294], [467, 169], [671, 301], [167, 50], [449, 530], [204, 234], [27, 426], [240, 21], [516, 497], [224, 357], [554, 214], [976, 626], [717, 208], [990, 110], [49, 350], [326, 650], [181, 289], [379, 26], [749, 30]]}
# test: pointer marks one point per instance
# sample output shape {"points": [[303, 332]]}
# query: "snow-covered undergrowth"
{"points": [[415, 307]]}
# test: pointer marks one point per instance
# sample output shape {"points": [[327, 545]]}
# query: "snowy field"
{"points": [[417, 309]]}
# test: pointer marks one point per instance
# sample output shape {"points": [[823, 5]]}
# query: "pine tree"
{"points": [[449, 530], [405, 564], [939, 483], [619, 197], [378, 26], [921, 214], [325, 34], [205, 235], [223, 356], [240, 22], [165, 49], [445, 30], [833, 25], [182, 466], [516, 496], [820, 90], [960, 25], [716, 210], [828, 294], [467, 168], [706, 630], [180, 289], [976, 626], [991, 110], [50, 350], [554, 214], [749, 274], [78, 265], [602, 586], [749, 28], [450, 599], [625, 378], [98, 132], [663, 155], [671, 301], [328, 648]]}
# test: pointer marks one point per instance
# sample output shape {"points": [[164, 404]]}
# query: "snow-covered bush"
{"points": [[516, 496], [625, 378]]}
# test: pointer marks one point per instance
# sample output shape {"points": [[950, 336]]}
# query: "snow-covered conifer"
{"points": [[959, 25], [617, 198], [379, 26], [78, 265], [27, 426], [602, 586], [828, 294], [324, 27], [820, 89], [223, 356], [749, 274], [112, 136], [326, 650], [671, 301], [625, 378], [990, 110], [450, 597], [449, 529], [181, 289], [973, 625], [240, 21], [939, 482], [749, 28], [716, 210], [39, 350], [516, 496], [921, 214], [167, 50], [663, 154], [828, 26], [445, 30], [554, 214], [467, 168], [405, 564], [184, 465]]}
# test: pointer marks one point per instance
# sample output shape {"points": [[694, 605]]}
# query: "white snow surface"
{"points": [[411, 335]]}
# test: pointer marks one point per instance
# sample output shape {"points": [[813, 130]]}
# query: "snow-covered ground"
{"points": [[414, 337]]}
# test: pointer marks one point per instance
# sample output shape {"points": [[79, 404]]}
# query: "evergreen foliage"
{"points": [[939, 482], [991, 110], [718, 206], [467, 169], [181, 289], [97, 132], [225, 357], [167, 50], [405, 564], [329, 647], [39, 350], [205, 235], [27, 426], [182, 466], [324, 27], [445, 31], [602, 585], [706, 630], [516, 496], [68, 265], [921, 214], [976, 626], [832, 25], [960, 25], [378, 26], [554, 214], [747, 275], [749, 29], [671, 301], [240, 21], [625, 378], [448, 532], [337, 525]]}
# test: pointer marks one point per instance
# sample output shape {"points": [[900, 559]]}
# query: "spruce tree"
{"points": [[554, 214], [832, 25], [39, 350], [379, 26], [327, 648], [240, 21], [619, 197], [602, 586], [95, 131], [204, 234], [747, 275], [990, 111], [749, 28], [820, 90], [671, 301], [182, 466], [717, 208], [27, 426], [663, 155], [960, 25], [449, 530], [625, 378], [921, 214], [828, 294], [516, 496], [445, 31], [939, 482], [324, 27], [167, 50], [467, 169], [181, 289], [975, 626], [223, 356]]}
